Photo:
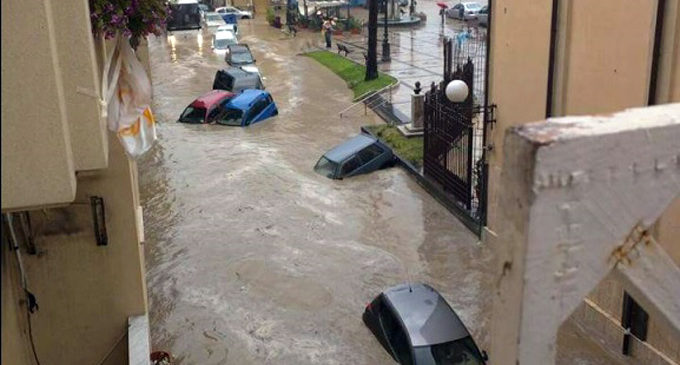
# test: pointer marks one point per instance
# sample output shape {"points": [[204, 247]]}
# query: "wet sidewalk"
{"points": [[417, 54]]}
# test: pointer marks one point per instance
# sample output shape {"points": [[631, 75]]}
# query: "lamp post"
{"points": [[457, 91], [386, 42]]}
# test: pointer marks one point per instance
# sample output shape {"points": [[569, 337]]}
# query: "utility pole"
{"points": [[372, 57]]}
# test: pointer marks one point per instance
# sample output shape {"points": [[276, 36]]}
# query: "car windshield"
{"points": [[223, 43], [231, 116], [473, 6], [214, 18], [241, 58], [459, 352], [326, 167], [193, 115]]}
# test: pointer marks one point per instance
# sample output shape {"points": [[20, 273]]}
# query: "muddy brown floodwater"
{"points": [[251, 257]]}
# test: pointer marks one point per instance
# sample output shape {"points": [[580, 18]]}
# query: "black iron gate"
{"points": [[454, 140]]}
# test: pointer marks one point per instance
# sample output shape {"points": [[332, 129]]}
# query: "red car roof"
{"points": [[211, 98]]}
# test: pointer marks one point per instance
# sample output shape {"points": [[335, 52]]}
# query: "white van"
{"points": [[222, 40], [185, 14]]}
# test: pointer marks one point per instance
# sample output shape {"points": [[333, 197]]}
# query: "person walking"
{"points": [[328, 31]]}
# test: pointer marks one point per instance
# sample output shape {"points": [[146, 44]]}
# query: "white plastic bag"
{"points": [[127, 95]]}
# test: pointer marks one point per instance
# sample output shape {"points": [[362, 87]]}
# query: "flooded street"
{"points": [[251, 257]]}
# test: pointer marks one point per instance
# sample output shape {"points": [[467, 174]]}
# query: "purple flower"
{"points": [[127, 33], [129, 10], [108, 7]]}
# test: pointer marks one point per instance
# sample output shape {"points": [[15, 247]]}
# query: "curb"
{"points": [[435, 191]]}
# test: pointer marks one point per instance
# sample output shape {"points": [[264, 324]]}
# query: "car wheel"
{"points": [[245, 17]]}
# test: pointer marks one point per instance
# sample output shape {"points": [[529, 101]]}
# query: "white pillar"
{"points": [[572, 190]]}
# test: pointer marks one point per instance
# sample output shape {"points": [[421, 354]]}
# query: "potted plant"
{"points": [[355, 25], [133, 19]]}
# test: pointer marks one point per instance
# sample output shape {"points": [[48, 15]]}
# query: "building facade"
{"points": [[556, 58], [72, 229]]}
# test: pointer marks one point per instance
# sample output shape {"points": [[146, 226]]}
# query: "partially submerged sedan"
{"points": [[358, 155], [416, 326], [249, 107], [205, 108]]}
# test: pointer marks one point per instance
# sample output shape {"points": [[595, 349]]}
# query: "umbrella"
{"points": [[442, 5]]}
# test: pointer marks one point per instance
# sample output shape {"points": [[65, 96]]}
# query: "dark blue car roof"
{"points": [[427, 317], [245, 99], [340, 152]]}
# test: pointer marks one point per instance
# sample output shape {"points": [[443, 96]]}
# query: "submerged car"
{"points": [[249, 107], [238, 55], [464, 10], [240, 14], [228, 28], [235, 79], [416, 326], [222, 40], [205, 108], [213, 20], [358, 155]]}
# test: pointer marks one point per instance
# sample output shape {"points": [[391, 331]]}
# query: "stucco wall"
{"points": [[36, 145], [605, 53], [15, 344], [603, 64], [518, 73], [87, 292]]}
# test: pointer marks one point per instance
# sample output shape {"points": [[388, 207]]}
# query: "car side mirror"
{"points": [[485, 356]]}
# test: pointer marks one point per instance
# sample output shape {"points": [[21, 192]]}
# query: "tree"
{"points": [[372, 57]]}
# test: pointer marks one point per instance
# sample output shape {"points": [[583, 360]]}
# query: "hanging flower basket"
{"points": [[133, 19]]}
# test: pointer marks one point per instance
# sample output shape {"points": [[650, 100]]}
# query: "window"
{"points": [[350, 165], [635, 318], [193, 115], [230, 116], [256, 110], [369, 153], [212, 114], [325, 167], [395, 336]]}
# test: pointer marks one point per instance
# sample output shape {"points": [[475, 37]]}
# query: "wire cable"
{"points": [[30, 298]]}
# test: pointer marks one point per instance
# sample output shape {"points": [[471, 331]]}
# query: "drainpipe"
{"points": [[656, 55], [551, 59]]}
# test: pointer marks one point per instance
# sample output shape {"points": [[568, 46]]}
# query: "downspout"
{"points": [[656, 53], [551, 58]]}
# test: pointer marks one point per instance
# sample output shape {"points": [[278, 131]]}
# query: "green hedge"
{"points": [[352, 72], [410, 149]]}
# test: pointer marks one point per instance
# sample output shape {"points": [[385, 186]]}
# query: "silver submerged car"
{"points": [[417, 326]]}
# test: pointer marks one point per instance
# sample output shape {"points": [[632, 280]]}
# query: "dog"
{"points": [[343, 48]]}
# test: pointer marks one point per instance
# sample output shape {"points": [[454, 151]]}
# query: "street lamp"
{"points": [[386, 42], [457, 91]]}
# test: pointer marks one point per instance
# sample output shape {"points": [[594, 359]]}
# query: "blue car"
{"points": [[358, 155], [248, 107]]}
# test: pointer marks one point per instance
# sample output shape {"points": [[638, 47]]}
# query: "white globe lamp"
{"points": [[457, 91]]}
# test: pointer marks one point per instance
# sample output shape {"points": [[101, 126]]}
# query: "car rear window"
{"points": [[326, 167], [230, 116], [459, 352], [193, 115], [223, 81]]}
